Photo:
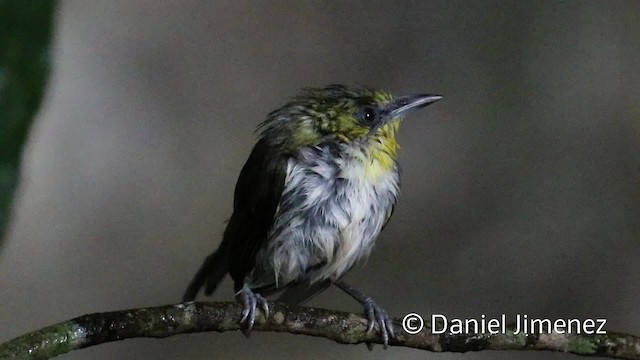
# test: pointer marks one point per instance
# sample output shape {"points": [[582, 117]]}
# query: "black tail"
{"points": [[299, 293], [212, 271]]}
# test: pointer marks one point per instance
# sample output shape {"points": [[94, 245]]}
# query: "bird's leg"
{"points": [[250, 302], [375, 313]]}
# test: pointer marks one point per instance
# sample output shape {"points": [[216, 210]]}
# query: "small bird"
{"points": [[317, 189]]}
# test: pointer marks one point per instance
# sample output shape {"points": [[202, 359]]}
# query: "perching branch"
{"points": [[341, 327]]}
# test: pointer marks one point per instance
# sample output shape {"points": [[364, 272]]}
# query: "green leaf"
{"points": [[25, 40]]}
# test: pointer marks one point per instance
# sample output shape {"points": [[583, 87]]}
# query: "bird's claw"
{"points": [[377, 315], [250, 302]]}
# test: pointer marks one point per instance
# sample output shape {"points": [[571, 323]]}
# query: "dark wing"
{"points": [[256, 200]]}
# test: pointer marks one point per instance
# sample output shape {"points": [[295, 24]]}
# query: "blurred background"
{"points": [[520, 190]]}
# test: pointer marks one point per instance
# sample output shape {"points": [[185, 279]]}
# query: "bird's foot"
{"points": [[250, 302], [374, 313], [377, 315]]}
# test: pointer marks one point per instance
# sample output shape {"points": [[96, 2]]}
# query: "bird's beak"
{"points": [[405, 104]]}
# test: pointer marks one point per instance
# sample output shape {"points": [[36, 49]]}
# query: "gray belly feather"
{"points": [[329, 216]]}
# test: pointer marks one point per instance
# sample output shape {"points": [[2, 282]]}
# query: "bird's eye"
{"points": [[368, 115]]}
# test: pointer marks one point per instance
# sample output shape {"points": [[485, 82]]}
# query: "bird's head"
{"points": [[340, 114]]}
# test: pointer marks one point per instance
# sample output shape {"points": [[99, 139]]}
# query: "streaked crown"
{"points": [[340, 114]]}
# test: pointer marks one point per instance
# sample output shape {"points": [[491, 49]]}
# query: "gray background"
{"points": [[520, 189]]}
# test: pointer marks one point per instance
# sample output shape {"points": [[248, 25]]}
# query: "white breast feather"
{"points": [[329, 216]]}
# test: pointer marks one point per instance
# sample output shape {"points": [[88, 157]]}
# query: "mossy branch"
{"points": [[341, 327]]}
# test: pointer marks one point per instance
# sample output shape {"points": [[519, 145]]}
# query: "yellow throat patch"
{"points": [[383, 150]]}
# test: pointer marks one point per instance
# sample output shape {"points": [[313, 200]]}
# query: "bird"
{"points": [[316, 191]]}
